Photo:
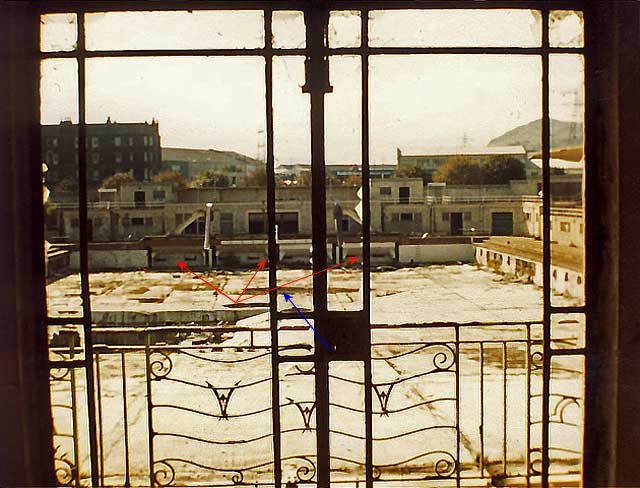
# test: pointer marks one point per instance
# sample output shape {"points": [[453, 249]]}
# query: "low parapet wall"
{"points": [[435, 253], [564, 280]]}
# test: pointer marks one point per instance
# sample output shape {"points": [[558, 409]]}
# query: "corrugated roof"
{"points": [[204, 155], [461, 150]]}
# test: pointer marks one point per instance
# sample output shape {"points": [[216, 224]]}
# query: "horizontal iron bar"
{"points": [[581, 351], [76, 363], [456, 324], [354, 5], [401, 50], [295, 359], [65, 321], [343, 51], [573, 309], [140, 53]]}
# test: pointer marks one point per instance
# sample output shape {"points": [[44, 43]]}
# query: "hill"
{"points": [[563, 134]]}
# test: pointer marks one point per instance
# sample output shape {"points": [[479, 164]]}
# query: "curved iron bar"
{"points": [[443, 468], [303, 473], [206, 387], [165, 475], [224, 361], [385, 412], [65, 371], [565, 449], [61, 405], [535, 465], [562, 405], [64, 469], [559, 422], [302, 372], [157, 367], [239, 441], [395, 382], [395, 356], [535, 360], [212, 415], [397, 436]]}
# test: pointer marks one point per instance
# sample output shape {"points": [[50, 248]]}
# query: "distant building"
{"points": [[430, 159], [294, 170], [111, 148], [191, 163]]}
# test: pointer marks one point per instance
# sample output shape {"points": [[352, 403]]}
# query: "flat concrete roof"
{"points": [[531, 249]]}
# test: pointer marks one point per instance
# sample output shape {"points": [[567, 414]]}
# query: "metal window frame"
{"points": [[316, 51]]}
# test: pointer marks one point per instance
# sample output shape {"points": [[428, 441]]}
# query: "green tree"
{"points": [[459, 171], [115, 180], [414, 171], [501, 169], [210, 179], [171, 177]]}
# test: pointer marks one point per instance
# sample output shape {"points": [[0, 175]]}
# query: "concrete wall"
{"points": [[111, 259], [567, 224], [563, 280], [435, 253], [477, 216]]}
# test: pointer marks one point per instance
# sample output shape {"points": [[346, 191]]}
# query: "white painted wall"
{"points": [[435, 253], [563, 281], [111, 259]]}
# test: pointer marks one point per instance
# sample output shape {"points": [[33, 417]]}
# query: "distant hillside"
{"points": [[563, 134]]}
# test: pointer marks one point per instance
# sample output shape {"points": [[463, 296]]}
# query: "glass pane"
{"points": [[292, 152], [414, 405], [566, 108], [454, 207], [347, 421], [298, 423], [58, 118], [344, 183], [345, 29], [566, 418], [58, 32], [567, 331], [175, 30], [296, 337], [70, 425], [566, 28], [455, 28], [288, 29], [176, 166]]}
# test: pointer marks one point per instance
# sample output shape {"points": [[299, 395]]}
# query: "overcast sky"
{"points": [[416, 101]]}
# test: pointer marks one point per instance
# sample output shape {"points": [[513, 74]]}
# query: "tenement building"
{"points": [[112, 147]]}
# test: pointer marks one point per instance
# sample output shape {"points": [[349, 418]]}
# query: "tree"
{"points": [[115, 180], [414, 171], [459, 171], [501, 169], [171, 177], [210, 179], [497, 171], [256, 178]]}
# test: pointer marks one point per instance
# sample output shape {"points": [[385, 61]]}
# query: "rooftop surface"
{"points": [[531, 249], [454, 293]]}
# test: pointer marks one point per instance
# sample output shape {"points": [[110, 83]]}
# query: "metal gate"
{"points": [[416, 404]]}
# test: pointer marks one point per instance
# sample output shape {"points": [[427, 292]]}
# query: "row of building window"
{"points": [[117, 141], [54, 158], [465, 216]]}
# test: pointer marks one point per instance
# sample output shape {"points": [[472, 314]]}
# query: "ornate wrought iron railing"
{"points": [[455, 404]]}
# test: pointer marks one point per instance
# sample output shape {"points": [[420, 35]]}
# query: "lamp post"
{"points": [[207, 234]]}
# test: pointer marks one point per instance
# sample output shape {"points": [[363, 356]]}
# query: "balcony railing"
{"points": [[191, 405]]}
